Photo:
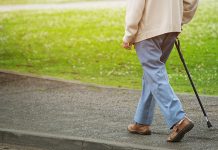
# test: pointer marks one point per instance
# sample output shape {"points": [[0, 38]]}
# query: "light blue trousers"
{"points": [[153, 53]]}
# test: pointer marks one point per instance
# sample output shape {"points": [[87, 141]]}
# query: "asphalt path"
{"points": [[69, 108], [65, 6], [4, 146]]}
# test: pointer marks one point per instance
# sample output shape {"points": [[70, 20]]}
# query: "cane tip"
{"points": [[209, 125]]}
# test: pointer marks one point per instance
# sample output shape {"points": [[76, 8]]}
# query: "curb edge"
{"points": [[58, 142]]}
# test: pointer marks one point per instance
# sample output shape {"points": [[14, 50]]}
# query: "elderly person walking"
{"points": [[152, 26]]}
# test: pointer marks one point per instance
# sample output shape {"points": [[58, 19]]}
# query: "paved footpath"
{"points": [[75, 5], [54, 114], [17, 147]]}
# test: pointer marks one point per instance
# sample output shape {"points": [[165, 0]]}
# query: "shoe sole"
{"points": [[141, 133], [181, 134]]}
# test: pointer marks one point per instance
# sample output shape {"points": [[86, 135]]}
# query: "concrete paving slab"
{"points": [[44, 105]]}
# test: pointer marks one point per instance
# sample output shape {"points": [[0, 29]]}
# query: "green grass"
{"points": [[85, 45], [6, 2]]}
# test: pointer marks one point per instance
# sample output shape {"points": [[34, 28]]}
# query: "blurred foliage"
{"points": [[86, 45]]}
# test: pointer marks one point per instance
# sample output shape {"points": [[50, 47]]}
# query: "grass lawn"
{"points": [[6, 2], [85, 45]]}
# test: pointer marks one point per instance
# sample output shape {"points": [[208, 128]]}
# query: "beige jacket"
{"points": [[149, 18]]}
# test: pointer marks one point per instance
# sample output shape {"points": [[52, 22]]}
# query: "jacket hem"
{"points": [[153, 33]]}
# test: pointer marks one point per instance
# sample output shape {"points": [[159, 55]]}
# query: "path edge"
{"points": [[59, 142]]}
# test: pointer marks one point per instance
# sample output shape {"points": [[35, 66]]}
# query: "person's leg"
{"points": [[167, 46], [149, 53], [145, 108]]}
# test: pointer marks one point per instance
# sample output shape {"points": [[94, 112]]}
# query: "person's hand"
{"points": [[127, 45]]}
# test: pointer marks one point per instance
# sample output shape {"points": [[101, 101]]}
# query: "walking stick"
{"points": [[177, 44]]}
